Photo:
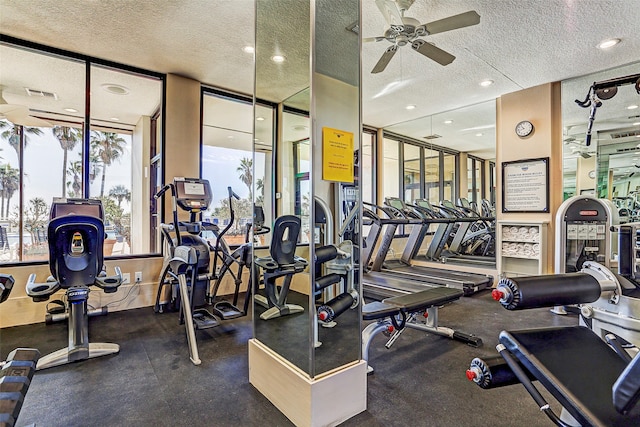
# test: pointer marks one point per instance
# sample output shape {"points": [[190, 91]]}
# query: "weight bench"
{"points": [[395, 313], [592, 382]]}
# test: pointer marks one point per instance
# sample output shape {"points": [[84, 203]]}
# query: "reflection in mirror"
{"points": [[607, 167], [281, 313], [335, 184]]}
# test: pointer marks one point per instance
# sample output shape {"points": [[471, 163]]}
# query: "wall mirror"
{"points": [[332, 98], [282, 76], [608, 167]]}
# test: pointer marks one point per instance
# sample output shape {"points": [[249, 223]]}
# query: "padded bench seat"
{"points": [[410, 303], [578, 369]]}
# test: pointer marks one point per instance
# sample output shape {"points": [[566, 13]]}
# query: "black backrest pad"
{"points": [[626, 390], [285, 237], [577, 367], [75, 249]]}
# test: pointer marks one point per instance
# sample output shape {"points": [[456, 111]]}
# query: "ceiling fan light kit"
{"points": [[403, 30]]}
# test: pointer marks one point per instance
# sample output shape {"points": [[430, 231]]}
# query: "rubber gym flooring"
{"points": [[420, 381]]}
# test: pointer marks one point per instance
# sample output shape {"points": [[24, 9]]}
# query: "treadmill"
{"points": [[397, 213], [452, 235], [378, 285]]}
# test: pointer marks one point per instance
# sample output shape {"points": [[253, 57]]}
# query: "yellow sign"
{"points": [[337, 155]]}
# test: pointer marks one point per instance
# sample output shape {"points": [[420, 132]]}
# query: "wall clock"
{"points": [[524, 128]]}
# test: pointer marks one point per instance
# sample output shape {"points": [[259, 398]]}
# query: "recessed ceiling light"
{"points": [[277, 59], [260, 118], [70, 110], [115, 119], [230, 137], [636, 124], [115, 89], [410, 107], [632, 107], [486, 83], [606, 44], [248, 49], [448, 122], [478, 134]]}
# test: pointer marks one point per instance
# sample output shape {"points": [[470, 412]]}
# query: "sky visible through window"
{"points": [[43, 165]]}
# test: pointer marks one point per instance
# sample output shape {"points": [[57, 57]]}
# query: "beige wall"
{"points": [[541, 106]]}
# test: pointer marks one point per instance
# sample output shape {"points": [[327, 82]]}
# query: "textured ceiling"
{"points": [[518, 44]]}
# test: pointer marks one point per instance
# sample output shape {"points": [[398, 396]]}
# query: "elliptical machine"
{"points": [[194, 196]]}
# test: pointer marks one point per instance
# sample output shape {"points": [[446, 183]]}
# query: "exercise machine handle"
{"points": [[163, 190], [232, 194]]}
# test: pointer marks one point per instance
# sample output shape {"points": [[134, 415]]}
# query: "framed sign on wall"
{"points": [[525, 185]]}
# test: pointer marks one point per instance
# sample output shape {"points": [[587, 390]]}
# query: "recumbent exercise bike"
{"points": [[76, 238]]}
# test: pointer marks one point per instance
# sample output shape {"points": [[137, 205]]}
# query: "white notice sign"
{"points": [[525, 186]]}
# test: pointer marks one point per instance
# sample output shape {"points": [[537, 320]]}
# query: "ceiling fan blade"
{"points": [[390, 11], [18, 118], [432, 52], [373, 39], [453, 22], [384, 59]]}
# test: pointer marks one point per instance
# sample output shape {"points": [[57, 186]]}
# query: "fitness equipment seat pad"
{"points": [[578, 369], [409, 303]]}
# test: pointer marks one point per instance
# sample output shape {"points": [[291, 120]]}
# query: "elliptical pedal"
{"points": [[202, 319], [227, 311]]}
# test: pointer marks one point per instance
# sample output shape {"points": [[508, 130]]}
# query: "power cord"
{"points": [[135, 285]]}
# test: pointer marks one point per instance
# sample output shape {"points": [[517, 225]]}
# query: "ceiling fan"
{"points": [[403, 30], [20, 115]]}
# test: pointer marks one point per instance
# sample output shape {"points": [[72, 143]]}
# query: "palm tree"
{"points": [[120, 193], [260, 191], [68, 138], [10, 181], [108, 147], [246, 174], [11, 133], [75, 186]]}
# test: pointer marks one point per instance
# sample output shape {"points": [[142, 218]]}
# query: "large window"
{"points": [[50, 148], [229, 160], [432, 175], [367, 165], [475, 181], [411, 172], [390, 168]]}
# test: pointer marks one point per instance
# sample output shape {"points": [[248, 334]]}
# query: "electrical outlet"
{"points": [[138, 276], [126, 278]]}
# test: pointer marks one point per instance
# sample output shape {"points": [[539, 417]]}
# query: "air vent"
{"points": [[626, 150], [40, 93], [433, 136], [626, 134]]}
